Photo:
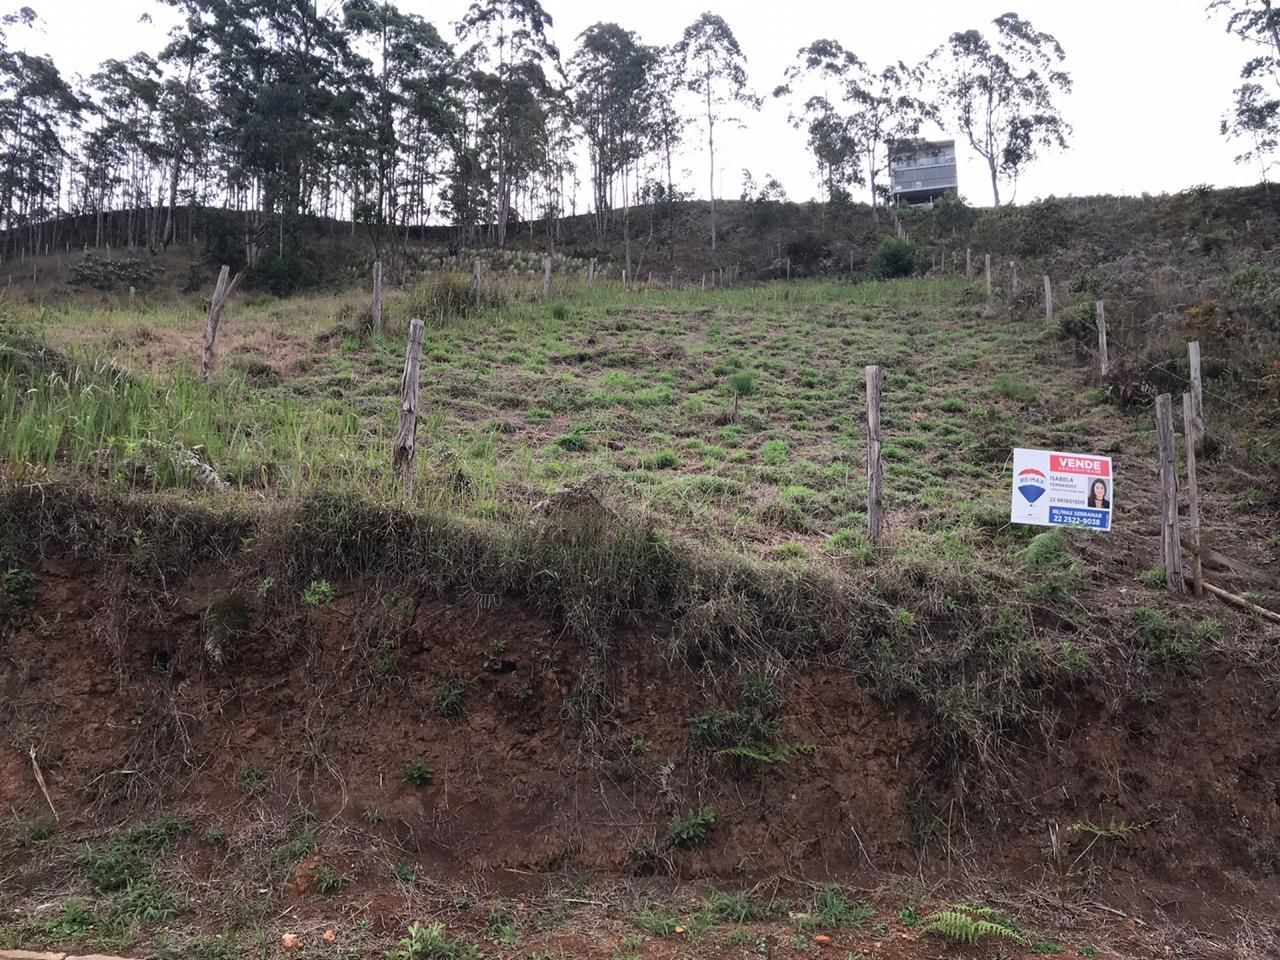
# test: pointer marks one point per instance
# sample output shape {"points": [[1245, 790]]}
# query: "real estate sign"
{"points": [[1052, 489]]}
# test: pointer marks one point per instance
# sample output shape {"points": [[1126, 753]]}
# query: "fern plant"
{"points": [[969, 923]]}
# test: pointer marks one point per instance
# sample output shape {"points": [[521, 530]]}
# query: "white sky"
{"points": [[1152, 77]]}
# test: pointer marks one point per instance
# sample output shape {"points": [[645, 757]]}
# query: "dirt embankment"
{"points": [[238, 709]]}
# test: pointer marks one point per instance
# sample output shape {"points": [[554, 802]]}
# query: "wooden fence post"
{"points": [[624, 279], [377, 295], [221, 291], [1170, 547], [476, 282], [546, 277], [405, 447], [1048, 298], [591, 274], [968, 263], [875, 469], [1193, 495], [1104, 361], [1013, 283], [987, 266], [788, 268], [1197, 428]]}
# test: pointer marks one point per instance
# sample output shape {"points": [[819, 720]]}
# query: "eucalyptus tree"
{"points": [[37, 106], [509, 58], [613, 98], [1001, 93], [1254, 116], [714, 68]]}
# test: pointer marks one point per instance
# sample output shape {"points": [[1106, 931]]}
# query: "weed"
{"points": [[417, 773], [449, 697], [317, 593], [405, 874], [741, 907], [126, 857], [253, 780], [639, 747], [1011, 388], [1153, 578], [774, 453], [666, 459], [329, 881], [19, 597], [908, 916], [833, 909], [1120, 830], [431, 943], [691, 829], [657, 920], [147, 902], [1207, 630], [500, 928]]}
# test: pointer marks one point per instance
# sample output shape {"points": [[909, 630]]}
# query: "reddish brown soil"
{"points": [[130, 718]]}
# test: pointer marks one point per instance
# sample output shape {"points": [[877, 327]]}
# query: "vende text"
{"points": [[1088, 466]]}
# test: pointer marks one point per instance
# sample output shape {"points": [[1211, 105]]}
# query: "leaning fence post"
{"points": [[1170, 547], [1197, 429], [875, 469], [377, 295], [405, 447], [1104, 361], [1048, 298], [1193, 495], [221, 291]]}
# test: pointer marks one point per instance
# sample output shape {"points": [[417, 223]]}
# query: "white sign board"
{"points": [[1052, 489]]}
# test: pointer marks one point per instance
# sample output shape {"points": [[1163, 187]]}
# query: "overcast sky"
{"points": [[1152, 77]]}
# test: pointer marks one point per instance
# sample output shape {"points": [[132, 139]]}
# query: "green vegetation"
{"points": [[691, 829], [832, 909], [968, 923], [418, 773]]}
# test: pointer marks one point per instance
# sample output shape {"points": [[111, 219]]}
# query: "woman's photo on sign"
{"points": [[1099, 496]]}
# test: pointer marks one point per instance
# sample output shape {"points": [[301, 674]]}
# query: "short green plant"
{"points": [[126, 856], [253, 780], [833, 909], [431, 943], [691, 829], [1119, 830], [970, 923], [329, 881], [656, 919], [318, 593], [147, 902], [418, 773], [500, 927], [1153, 578], [774, 453], [449, 697], [405, 874]]}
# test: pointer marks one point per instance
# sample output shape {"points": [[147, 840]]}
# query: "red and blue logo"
{"points": [[1031, 484]]}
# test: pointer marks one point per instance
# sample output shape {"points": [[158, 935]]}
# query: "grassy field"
{"points": [[633, 393]]}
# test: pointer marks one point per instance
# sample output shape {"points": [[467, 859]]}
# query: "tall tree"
{"points": [[615, 105], [510, 55], [714, 69], [1254, 117], [36, 107], [1001, 92]]}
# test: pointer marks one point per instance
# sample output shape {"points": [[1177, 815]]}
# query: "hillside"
{"points": [[624, 675]]}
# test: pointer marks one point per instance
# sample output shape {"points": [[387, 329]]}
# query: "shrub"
{"points": [[806, 252], [1254, 292], [895, 257], [418, 773], [99, 274], [691, 829], [1030, 231]]}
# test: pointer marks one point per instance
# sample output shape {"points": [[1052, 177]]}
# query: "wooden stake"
{"points": [[624, 279], [1048, 298], [987, 266], [788, 268], [406, 442], [1013, 269], [1170, 548], [1193, 496], [221, 292], [377, 295], [591, 274], [704, 283], [546, 277], [968, 263], [1197, 396], [875, 469], [476, 282], [1104, 361]]}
